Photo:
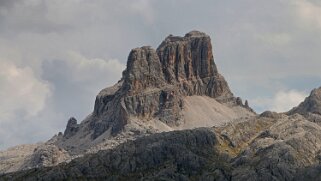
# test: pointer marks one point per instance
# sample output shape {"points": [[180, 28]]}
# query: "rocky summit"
{"points": [[156, 82], [172, 116]]}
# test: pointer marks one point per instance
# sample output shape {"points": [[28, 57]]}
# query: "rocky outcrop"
{"points": [[153, 89], [72, 128], [44, 156], [156, 82]]}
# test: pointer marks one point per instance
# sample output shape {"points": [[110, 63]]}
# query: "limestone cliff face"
{"points": [[188, 62], [144, 70]]}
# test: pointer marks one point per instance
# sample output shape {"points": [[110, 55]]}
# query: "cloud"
{"points": [[21, 91], [23, 97], [76, 80], [85, 69], [35, 108], [282, 101], [275, 39], [145, 9], [309, 12], [89, 73]]}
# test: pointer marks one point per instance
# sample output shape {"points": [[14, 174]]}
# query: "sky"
{"points": [[55, 56]]}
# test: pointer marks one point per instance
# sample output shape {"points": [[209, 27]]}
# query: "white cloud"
{"points": [[86, 69], [20, 91], [275, 39], [33, 109], [23, 98], [309, 12], [282, 101], [143, 8]]}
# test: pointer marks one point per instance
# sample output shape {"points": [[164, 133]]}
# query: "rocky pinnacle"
{"points": [[155, 81]]}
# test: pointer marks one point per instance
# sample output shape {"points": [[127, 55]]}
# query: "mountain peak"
{"points": [[311, 104], [188, 36], [161, 90], [186, 62], [156, 82], [195, 33], [189, 61]]}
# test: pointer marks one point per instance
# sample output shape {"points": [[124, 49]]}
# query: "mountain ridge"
{"points": [[147, 127]]}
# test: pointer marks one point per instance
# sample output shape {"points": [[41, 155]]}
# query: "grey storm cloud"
{"points": [[55, 56]]}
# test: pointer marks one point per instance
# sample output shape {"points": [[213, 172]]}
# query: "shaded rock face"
{"points": [[72, 128], [155, 82], [109, 112]]}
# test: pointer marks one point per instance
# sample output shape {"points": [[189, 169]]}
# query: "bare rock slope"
{"points": [[13, 158]]}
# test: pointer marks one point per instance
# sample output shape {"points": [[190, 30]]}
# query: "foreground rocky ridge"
{"points": [[271, 146]]}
